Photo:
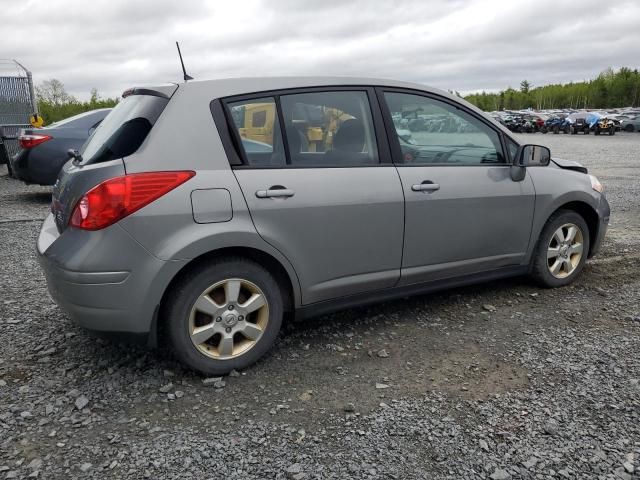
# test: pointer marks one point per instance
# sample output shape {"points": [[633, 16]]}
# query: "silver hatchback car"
{"points": [[197, 215]]}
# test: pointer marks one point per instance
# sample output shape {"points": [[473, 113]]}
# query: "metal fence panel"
{"points": [[15, 100], [17, 104]]}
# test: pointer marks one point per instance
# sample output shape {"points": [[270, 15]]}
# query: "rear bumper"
{"points": [[35, 169], [105, 281]]}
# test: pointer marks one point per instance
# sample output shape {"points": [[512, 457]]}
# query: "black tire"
{"points": [[543, 130], [628, 128], [612, 130], [539, 263], [177, 310], [597, 131], [567, 130]]}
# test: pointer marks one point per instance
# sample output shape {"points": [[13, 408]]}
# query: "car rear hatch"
{"points": [[101, 157]]}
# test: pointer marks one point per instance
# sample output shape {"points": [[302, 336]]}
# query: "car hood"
{"points": [[569, 165]]}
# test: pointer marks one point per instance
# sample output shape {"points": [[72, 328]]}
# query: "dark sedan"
{"points": [[44, 150]]}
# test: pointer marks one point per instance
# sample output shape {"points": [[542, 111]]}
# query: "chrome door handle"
{"points": [[426, 186], [275, 193]]}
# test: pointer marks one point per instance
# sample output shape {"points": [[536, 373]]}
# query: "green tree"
{"points": [[54, 103], [610, 89], [53, 92]]}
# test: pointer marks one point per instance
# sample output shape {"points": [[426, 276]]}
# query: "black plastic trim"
{"points": [[228, 142], [362, 299], [144, 91]]}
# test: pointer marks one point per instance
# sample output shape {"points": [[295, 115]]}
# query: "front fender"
{"points": [[555, 188]]}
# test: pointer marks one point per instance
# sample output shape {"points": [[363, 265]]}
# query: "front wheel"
{"points": [[562, 249], [224, 316], [628, 128]]}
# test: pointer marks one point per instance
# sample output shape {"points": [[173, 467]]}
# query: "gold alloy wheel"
{"points": [[228, 318], [565, 250]]}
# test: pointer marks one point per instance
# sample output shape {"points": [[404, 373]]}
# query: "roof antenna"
{"points": [[186, 77]]}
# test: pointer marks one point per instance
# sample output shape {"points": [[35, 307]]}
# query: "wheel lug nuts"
{"points": [[228, 330], [230, 307], [219, 319], [240, 317]]}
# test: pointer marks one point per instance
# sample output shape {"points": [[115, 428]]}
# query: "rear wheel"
{"points": [[224, 316], [612, 130], [556, 129], [562, 249], [628, 128]]}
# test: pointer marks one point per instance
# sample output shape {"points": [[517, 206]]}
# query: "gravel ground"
{"points": [[497, 381]]}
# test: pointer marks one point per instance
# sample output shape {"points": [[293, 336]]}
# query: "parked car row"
{"points": [[570, 121]]}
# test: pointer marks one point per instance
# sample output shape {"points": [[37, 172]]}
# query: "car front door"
{"points": [[464, 213], [321, 187]]}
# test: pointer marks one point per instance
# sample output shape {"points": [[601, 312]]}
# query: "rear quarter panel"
{"points": [[185, 138]]}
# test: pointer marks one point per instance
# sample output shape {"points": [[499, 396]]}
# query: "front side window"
{"points": [[326, 129], [258, 130], [434, 132]]}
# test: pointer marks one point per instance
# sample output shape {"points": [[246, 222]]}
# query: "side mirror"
{"points": [[533, 156], [529, 156]]}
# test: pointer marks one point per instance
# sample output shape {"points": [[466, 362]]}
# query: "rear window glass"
{"points": [[122, 132]]}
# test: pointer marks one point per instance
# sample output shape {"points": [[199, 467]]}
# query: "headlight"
{"points": [[595, 184]]}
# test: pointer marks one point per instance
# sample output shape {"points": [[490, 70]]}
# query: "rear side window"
{"points": [[122, 132], [326, 129], [258, 130]]}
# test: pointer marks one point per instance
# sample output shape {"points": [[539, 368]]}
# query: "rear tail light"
{"points": [[114, 199], [30, 141]]}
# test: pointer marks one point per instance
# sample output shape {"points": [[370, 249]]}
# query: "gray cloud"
{"points": [[463, 45]]}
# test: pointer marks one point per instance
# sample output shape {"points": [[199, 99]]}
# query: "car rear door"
{"points": [[464, 213], [318, 179]]}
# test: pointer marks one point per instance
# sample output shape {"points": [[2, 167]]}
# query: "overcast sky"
{"points": [[463, 45]]}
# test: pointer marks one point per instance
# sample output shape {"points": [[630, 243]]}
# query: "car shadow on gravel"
{"points": [[41, 198]]}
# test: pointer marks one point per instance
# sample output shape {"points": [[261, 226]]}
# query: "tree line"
{"points": [[54, 103], [610, 89]]}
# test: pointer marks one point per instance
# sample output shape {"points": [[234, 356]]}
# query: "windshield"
{"points": [[122, 131]]}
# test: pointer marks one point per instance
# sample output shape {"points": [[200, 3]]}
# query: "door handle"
{"points": [[277, 192], [426, 186]]}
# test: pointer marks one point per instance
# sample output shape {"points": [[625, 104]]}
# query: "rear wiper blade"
{"points": [[75, 155]]}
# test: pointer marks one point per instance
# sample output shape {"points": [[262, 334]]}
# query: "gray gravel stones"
{"points": [[382, 353], [81, 402], [217, 382], [500, 474]]}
